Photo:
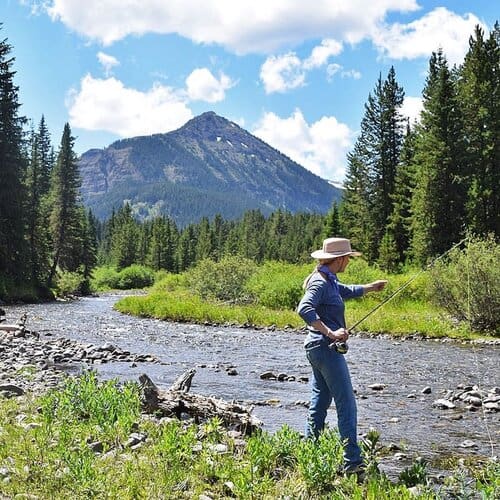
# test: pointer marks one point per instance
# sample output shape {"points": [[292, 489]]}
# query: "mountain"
{"points": [[208, 166]]}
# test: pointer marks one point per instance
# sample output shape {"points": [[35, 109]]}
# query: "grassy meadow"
{"points": [[266, 296], [89, 440]]}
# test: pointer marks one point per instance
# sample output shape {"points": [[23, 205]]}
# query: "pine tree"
{"points": [[331, 227], [372, 167], [124, 239], [38, 184], [66, 215], [88, 258], [13, 255], [399, 227], [356, 221], [439, 199], [479, 91]]}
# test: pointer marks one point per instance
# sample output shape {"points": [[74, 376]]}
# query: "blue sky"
{"points": [[296, 74]]}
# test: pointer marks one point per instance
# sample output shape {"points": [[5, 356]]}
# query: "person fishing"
{"points": [[322, 308]]}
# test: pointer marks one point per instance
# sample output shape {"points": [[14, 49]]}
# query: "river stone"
{"points": [[11, 389], [491, 405], [426, 390], [468, 444], [377, 387], [267, 376], [443, 404]]}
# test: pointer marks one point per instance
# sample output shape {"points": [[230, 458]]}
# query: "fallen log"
{"points": [[177, 402], [15, 327]]}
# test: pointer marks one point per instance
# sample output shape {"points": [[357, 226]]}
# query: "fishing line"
{"points": [[474, 352], [404, 285]]}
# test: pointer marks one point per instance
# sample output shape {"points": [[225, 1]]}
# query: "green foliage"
{"points": [[468, 284], [277, 285], [68, 283], [319, 461], [107, 405], [415, 474], [105, 278], [50, 453], [224, 280], [135, 276]]}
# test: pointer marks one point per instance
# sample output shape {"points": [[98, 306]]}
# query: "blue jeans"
{"points": [[331, 379]]}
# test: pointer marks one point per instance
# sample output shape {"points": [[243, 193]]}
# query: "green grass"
{"points": [[45, 453]]}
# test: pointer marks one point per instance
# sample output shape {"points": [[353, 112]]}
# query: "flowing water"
{"points": [[404, 367]]}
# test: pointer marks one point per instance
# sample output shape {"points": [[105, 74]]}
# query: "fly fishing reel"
{"points": [[340, 347]]}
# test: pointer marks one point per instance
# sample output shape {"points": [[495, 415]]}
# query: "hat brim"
{"points": [[319, 254]]}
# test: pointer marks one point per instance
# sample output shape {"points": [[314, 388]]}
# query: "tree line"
{"points": [[414, 189], [411, 189]]}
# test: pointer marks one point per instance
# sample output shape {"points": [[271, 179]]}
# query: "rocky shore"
{"points": [[30, 362]]}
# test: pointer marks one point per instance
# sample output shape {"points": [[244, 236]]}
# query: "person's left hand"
{"points": [[377, 286]]}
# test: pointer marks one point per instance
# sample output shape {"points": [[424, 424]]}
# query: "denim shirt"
{"points": [[324, 300]]}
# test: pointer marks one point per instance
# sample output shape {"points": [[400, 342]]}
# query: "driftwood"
{"points": [[177, 402], [20, 326]]}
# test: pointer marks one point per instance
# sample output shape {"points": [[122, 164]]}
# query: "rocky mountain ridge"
{"points": [[208, 166]]}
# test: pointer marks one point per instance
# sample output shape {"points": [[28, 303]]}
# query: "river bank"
{"points": [[230, 362]]}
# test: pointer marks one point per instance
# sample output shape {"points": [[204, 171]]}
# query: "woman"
{"points": [[322, 308]]}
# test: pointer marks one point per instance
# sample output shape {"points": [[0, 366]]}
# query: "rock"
{"points": [[443, 404], [232, 371], [468, 444], [426, 390], [96, 447], [134, 439], [10, 390], [492, 406], [377, 387], [267, 376]]}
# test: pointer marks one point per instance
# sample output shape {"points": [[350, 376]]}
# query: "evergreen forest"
{"points": [[412, 190]]}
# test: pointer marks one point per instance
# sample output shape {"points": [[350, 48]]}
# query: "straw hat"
{"points": [[335, 247]]}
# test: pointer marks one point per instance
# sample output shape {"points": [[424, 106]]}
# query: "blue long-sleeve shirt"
{"points": [[324, 300]]}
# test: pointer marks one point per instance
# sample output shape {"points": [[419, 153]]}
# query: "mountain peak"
{"points": [[208, 166], [207, 125]]}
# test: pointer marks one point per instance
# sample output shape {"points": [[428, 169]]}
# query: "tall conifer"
{"points": [[479, 90], [66, 215], [439, 198], [13, 255]]}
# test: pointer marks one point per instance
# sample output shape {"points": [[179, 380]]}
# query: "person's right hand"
{"points": [[340, 335]]}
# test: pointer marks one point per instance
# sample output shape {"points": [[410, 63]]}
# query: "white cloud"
{"points": [[201, 85], [106, 104], [320, 146], [242, 27], [285, 72], [439, 28], [107, 62], [411, 108], [320, 54], [281, 73], [334, 68]]}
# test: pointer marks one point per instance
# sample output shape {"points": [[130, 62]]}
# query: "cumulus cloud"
{"points": [[106, 104], [412, 107], [320, 146], [107, 62], [282, 73], [242, 27], [439, 28], [320, 54], [201, 85]]}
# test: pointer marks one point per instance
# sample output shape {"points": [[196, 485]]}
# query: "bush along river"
{"points": [[434, 399]]}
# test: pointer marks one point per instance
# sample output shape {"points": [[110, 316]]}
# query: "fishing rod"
{"points": [[342, 347]]}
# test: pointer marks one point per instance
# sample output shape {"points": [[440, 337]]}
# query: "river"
{"points": [[400, 412]]}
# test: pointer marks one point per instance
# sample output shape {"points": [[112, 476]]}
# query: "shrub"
{"points": [[69, 283], [135, 276], [278, 285], [224, 280], [468, 284], [105, 278]]}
